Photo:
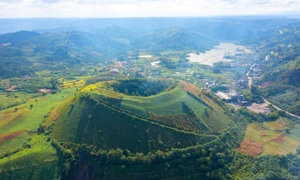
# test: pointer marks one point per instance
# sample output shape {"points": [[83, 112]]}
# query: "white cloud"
{"points": [[142, 8]]}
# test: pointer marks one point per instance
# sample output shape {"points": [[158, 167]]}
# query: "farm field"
{"points": [[25, 117], [73, 84], [272, 139], [215, 55], [15, 98]]}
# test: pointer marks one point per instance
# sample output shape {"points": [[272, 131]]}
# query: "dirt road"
{"points": [[269, 103]]}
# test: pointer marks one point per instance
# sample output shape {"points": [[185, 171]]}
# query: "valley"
{"points": [[174, 102]]}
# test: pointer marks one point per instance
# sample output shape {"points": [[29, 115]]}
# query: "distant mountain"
{"points": [[177, 39], [75, 47], [141, 25], [17, 37], [117, 40]]}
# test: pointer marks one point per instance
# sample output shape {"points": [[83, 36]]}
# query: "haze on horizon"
{"points": [[144, 8]]}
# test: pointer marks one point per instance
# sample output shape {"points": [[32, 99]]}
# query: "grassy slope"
{"points": [[111, 120], [38, 162], [170, 103], [13, 145], [167, 107], [91, 122], [29, 119]]}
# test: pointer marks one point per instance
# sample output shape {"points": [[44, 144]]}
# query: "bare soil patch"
{"points": [[251, 147], [259, 108], [12, 88], [191, 88], [279, 139]]}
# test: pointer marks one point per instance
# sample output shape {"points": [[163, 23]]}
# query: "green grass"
{"points": [[30, 119], [93, 123], [38, 161], [98, 116], [166, 103], [10, 146], [15, 98], [170, 103], [40, 151], [296, 132]]}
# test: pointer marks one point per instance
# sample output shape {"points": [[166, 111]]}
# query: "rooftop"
{"points": [[222, 95]]}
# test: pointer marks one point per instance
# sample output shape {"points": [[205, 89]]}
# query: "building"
{"points": [[223, 96]]}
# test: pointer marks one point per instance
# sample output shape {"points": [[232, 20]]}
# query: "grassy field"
{"points": [[38, 161], [273, 142], [15, 98], [27, 118], [73, 84], [12, 142]]}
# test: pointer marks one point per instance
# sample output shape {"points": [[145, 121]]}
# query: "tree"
{"points": [[168, 63], [54, 83]]}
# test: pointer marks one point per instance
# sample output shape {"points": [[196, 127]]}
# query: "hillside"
{"points": [[120, 99], [177, 39], [173, 118], [16, 37], [280, 82]]}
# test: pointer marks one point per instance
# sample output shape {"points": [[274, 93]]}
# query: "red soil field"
{"points": [[191, 88], [263, 134], [9, 136], [251, 147], [279, 139]]}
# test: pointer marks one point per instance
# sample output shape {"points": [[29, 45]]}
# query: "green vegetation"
{"points": [[140, 87], [118, 103], [119, 115], [285, 97], [25, 117], [38, 154]]}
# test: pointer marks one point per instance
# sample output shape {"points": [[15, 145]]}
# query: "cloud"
{"points": [[143, 8], [11, 1]]}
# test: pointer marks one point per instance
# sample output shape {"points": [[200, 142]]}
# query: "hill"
{"points": [[280, 82], [16, 37], [177, 39], [28, 52], [103, 117]]}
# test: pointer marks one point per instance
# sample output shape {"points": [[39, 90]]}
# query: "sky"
{"points": [[144, 8]]}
